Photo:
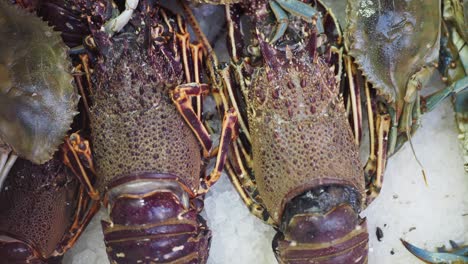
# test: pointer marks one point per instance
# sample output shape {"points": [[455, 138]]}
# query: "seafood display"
{"points": [[307, 85]]}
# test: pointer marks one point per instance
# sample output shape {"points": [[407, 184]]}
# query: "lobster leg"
{"points": [[196, 54], [79, 224], [245, 185], [197, 57], [354, 89], [228, 134], [375, 170], [77, 156], [182, 98], [85, 64]]}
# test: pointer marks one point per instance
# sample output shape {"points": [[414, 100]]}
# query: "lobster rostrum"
{"points": [[295, 163], [148, 139]]}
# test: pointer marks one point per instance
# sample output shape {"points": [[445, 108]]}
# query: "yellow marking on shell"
{"points": [[178, 248]]}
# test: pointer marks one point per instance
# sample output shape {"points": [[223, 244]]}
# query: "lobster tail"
{"points": [[153, 220], [322, 226]]}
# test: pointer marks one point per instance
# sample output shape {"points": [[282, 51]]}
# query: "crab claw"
{"points": [[280, 9], [458, 255], [116, 24]]}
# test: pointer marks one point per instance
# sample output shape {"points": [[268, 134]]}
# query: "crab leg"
{"points": [[383, 126], [433, 100], [416, 82], [298, 8], [7, 160], [458, 256], [282, 19]]}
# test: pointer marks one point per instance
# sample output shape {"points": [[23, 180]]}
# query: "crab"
{"points": [[37, 98]]}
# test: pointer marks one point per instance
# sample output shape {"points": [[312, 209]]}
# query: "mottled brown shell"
{"points": [[392, 40], [300, 134], [135, 126], [37, 100], [37, 204]]}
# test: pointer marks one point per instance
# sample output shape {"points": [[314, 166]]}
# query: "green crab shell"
{"points": [[37, 99], [392, 40]]}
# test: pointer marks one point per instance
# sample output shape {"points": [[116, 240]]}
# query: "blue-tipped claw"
{"points": [[457, 87], [457, 255], [298, 8], [282, 19], [295, 8]]}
